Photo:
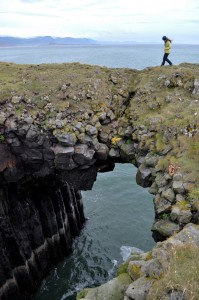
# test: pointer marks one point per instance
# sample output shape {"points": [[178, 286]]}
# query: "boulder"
{"points": [[127, 152], [114, 153], [103, 137], [175, 213], [91, 130], [135, 269], [112, 290], [165, 228], [178, 187], [102, 152], [83, 155], [63, 157], [162, 205], [189, 234], [139, 160], [143, 176], [16, 99], [92, 142], [67, 139], [59, 149], [153, 189], [153, 269], [169, 195], [2, 117], [79, 127], [138, 290], [185, 216], [64, 162], [196, 87], [151, 160], [160, 180], [182, 216]]}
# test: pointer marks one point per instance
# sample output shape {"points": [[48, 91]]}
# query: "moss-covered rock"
{"points": [[112, 290], [165, 227], [93, 116]]}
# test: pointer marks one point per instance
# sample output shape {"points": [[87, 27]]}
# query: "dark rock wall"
{"points": [[38, 220], [48, 153]]}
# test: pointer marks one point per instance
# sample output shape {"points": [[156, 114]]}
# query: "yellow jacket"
{"points": [[167, 47]]}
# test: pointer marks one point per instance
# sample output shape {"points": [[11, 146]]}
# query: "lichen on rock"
{"points": [[84, 119]]}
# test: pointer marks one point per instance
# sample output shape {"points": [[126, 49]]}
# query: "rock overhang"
{"points": [[90, 117], [61, 124]]}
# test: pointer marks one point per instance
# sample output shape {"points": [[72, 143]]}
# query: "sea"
{"points": [[135, 56], [119, 212]]}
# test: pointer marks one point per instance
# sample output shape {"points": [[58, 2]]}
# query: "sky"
{"points": [[142, 21]]}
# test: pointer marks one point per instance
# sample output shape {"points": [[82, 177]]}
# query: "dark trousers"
{"points": [[165, 58]]}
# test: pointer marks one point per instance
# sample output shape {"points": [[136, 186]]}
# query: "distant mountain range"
{"points": [[6, 41]]}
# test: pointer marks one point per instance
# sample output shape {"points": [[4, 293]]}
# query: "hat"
{"points": [[164, 38]]}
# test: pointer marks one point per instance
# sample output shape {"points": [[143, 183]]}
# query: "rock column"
{"points": [[37, 223]]}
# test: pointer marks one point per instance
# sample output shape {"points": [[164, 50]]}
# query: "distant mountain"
{"points": [[43, 40]]}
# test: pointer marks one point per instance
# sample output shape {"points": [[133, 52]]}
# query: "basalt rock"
{"points": [[51, 149], [39, 218], [146, 270]]}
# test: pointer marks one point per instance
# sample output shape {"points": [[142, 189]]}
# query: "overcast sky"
{"points": [[104, 20]]}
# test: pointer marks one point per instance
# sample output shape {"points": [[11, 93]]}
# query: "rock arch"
{"points": [[46, 161]]}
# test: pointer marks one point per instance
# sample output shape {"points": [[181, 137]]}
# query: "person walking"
{"points": [[167, 49]]}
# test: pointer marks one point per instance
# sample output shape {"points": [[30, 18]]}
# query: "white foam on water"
{"points": [[126, 251], [55, 275], [78, 288], [112, 270]]}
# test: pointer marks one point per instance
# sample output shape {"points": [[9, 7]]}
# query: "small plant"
{"points": [[128, 142], [163, 164], [153, 153], [123, 268], [165, 216], [194, 194], [182, 274], [2, 138], [133, 161], [149, 256], [196, 146], [183, 205]]}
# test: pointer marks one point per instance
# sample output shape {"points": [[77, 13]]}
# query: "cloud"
{"points": [[31, 1], [103, 19], [191, 21], [33, 14]]}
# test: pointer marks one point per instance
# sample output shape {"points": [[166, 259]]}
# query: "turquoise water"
{"points": [[120, 216]]}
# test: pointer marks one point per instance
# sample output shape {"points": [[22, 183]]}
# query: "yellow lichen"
{"points": [[115, 140]]}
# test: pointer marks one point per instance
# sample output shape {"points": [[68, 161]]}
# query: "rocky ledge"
{"points": [[60, 125], [165, 272]]}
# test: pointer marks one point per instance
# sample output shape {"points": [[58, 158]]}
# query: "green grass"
{"points": [[138, 98], [2, 138], [182, 274], [194, 194]]}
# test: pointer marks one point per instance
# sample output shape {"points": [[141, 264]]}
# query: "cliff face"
{"points": [[38, 221], [168, 271], [60, 125]]}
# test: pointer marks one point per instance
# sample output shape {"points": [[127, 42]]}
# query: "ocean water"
{"points": [[119, 212], [115, 56]]}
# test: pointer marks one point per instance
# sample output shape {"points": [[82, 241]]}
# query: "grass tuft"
{"points": [[182, 275]]}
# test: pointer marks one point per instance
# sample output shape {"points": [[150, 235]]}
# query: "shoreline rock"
{"points": [[80, 122]]}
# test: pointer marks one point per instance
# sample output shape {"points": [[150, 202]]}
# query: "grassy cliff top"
{"points": [[164, 100]]}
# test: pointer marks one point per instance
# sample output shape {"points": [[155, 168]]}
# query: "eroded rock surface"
{"points": [[60, 125], [146, 270]]}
